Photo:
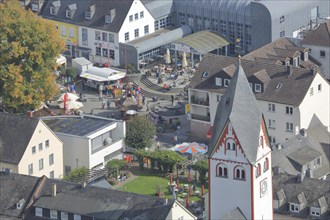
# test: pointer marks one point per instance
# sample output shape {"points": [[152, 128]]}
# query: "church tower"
{"points": [[239, 156]]}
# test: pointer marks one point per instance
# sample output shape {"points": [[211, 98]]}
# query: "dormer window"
{"points": [[35, 7], [68, 14], [226, 82], [20, 204], [294, 207], [88, 15], [257, 88], [54, 7], [52, 11], [107, 19]]}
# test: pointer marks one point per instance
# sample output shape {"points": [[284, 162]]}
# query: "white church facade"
{"points": [[240, 179]]}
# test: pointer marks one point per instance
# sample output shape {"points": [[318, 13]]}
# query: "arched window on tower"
{"points": [[266, 164], [239, 173], [230, 143], [261, 141], [258, 170], [228, 146], [233, 146], [221, 170]]}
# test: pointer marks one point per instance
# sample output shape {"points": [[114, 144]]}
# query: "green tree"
{"points": [[77, 175], [29, 46], [140, 133], [202, 167], [115, 165], [141, 154]]}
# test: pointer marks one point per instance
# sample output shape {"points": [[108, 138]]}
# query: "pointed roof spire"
{"points": [[239, 106]]}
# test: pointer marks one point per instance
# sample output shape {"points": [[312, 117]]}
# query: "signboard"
{"points": [[182, 47], [187, 108]]}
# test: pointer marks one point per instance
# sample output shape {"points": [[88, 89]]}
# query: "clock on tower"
{"points": [[263, 187]]}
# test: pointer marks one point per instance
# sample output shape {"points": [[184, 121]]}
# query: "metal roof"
{"points": [[158, 39], [204, 41]]}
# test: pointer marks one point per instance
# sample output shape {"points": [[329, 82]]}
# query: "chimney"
{"points": [[277, 170], [289, 70], [314, 70], [84, 184], [54, 189], [279, 146], [29, 114], [309, 173], [300, 177]]}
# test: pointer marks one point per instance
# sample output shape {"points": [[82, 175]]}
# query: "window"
{"points": [[141, 14], [63, 31], [130, 18], [126, 36], [98, 51], [33, 149], [218, 98], [266, 165], [52, 11], [306, 56], [317, 162], [311, 91], [47, 143], [231, 144], [261, 141], [282, 33], [271, 107], [41, 164], [257, 88], [146, 29], [76, 217], [156, 25], [295, 61], [104, 36], [294, 207], [51, 174], [258, 170], [71, 32], [222, 170], [271, 124], [322, 53], [319, 87], [64, 216], [107, 19], [30, 169], [38, 211], [315, 213], [51, 159], [97, 35], [112, 54], [35, 7], [68, 14], [84, 36], [136, 33], [272, 139], [226, 82], [218, 81], [239, 173], [88, 15], [289, 110], [111, 38], [289, 127], [282, 19], [205, 74], [228, 146], [53, 214], [40, 147], [105, 52], [136, 16]]}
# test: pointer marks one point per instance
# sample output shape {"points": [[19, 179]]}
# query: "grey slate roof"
{"points": [[158, 9], [102, 7], [76, 125], [15, 134], [292, 153], [313, 190], [235, 214], [296, 84], [239, 107], [320, 36], [14, 187]]}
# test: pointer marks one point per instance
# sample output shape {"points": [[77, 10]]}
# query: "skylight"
{"points": [[205, 74]]}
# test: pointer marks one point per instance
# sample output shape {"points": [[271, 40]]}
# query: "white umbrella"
{"points": [[167, 56], [184, 60], [71, 97], [131, 112], [71, 105]]}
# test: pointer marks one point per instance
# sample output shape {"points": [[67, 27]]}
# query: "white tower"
{"points": [[240, 179]]}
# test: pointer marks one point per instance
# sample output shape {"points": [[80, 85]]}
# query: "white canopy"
{"points": [[61, 60], [102, 74]]}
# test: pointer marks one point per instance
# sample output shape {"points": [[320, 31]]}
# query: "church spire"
{"points": [[239, 106]]}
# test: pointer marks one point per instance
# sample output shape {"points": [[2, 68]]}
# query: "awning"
{"points": [[209, 132], [102, 74], [60, 60]]}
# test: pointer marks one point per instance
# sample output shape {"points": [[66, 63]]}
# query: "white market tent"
{"points": [[102, 74], [61, 60]]}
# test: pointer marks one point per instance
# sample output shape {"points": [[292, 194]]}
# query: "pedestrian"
{"points": [[158, 144], [143, 99], [80, 96], [84, 98], [108, 103], [175, 139], [100, 96], [103, 104]]}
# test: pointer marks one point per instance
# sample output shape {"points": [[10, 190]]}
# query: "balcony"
{"points": [[201, 117], [199, 101]]}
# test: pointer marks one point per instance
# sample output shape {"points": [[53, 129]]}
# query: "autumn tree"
{"points": [[140, 133], [29, 46]]}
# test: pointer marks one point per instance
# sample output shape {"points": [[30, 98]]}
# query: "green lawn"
{"points": [[147, 185]]}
